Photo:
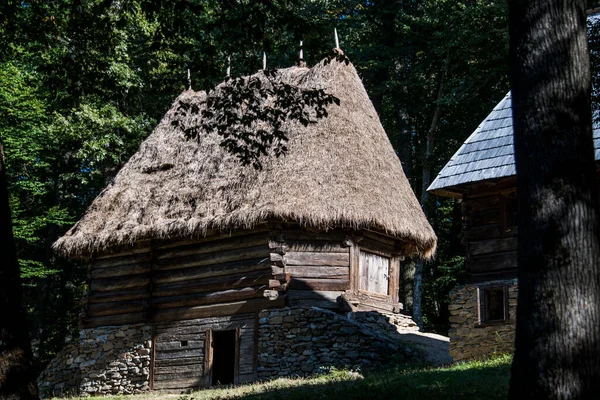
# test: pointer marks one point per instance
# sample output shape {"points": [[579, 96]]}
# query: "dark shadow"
{"points": [[481, 381], [224, 357]]}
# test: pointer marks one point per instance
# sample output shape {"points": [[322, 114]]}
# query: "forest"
{"points": [[83, 82]]}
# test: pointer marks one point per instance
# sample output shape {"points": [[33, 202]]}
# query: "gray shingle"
{"points": [[488, 153]]}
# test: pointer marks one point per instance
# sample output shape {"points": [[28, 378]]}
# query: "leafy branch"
{"points": [[249, 114]]}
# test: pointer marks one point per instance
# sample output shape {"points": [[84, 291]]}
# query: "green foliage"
{"points": [[267, 102], [83, 82]]}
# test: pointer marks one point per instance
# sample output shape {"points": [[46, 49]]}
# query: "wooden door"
{"points": [[374, 273]]}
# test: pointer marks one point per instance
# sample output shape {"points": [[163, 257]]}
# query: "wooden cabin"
{"points": [[482, 173], [198, 263]]}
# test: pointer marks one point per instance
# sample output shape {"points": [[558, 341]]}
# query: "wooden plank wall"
{"points": [[210, 277], [491, 238], [319, 267], [180, 349]]}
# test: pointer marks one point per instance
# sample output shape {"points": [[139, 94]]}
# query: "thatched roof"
{"points": [[339, 171]]}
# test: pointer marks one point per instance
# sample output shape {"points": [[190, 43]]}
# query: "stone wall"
{"points": [[105, 360], [302, 341], [472, 339]]}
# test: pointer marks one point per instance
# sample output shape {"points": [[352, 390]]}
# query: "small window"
{"points": [[184, 343], [374, 273], [493, 304]]}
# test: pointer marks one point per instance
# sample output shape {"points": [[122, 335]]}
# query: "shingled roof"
{"points": [[487, 154], [339, 171]]}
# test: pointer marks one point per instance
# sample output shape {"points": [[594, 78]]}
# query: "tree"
{"points": [[557, 351], [17, 372]]}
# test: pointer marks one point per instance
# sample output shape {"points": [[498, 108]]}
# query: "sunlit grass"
{"points": [[469, 380]]}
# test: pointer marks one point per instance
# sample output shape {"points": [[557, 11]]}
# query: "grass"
{"points": [[470, 380]]}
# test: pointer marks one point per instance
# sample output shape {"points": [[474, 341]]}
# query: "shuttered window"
{"points": [[374, 273]]}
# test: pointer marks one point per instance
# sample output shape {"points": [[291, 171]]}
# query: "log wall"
{"points": [[491, 236], [187, 291], [319, 268], [210, 277], [181, 358]]}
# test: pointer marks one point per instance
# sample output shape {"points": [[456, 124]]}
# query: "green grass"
{"points": [[471, 380]]}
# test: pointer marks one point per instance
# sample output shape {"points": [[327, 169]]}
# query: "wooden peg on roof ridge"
{"points": [[337, 42], [228, 67], [301, 62], [189, 80], [264, 61]]}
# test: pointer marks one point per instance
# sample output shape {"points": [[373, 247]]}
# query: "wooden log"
{"points": [[166, 376], [381, 238], [225, 296], [214, 310], [198, 260], [180, 362], [223, 245], [493, 262], [275, 270], [227, 268], [316, 259], [179, 383], [213, 236], [219, 322], [120, 283], [182, 345], [482, 204], [318, 272], [121, 270], [120, 319], [378, 248], [180, 369], [492, 276], [278, 247], [485, 217], [320, 284], [97, 310], [225, 282], [317, 246], [141, 247], [181, 353], [492, 246], [292, 235], [278, 260], [314, 295], [179, 335], [118, 261], [117, 296]]}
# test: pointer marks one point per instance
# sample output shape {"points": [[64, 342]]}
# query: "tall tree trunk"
{"points": [[426, 181], [557, 353], [17, 374]]}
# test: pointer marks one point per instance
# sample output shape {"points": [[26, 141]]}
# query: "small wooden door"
{"points": [[374, 273], [222, 357]]}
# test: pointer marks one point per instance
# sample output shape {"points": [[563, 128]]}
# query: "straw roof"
{"points": [[339, 171]]}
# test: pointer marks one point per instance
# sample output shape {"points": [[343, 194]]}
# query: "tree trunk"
{"points": [[17, 375], [426, 181], [557, 352]]}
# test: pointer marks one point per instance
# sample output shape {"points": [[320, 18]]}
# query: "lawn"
{"points": [[472, 380]]}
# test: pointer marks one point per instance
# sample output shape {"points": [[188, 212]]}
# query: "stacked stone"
{"points": [[106, 360], [302, 341], [470, 339]]}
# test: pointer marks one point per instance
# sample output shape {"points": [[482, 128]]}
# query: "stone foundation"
{"points": [[469, 337], [302, 341], [290, 340], [106, 360]]}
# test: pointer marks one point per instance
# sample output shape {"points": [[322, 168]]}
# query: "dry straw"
{"points": [[339, 171]]}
